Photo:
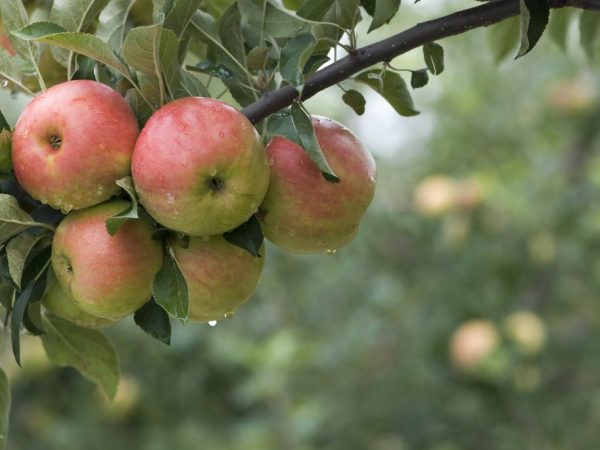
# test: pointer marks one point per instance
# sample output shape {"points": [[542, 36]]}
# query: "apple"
{"points": [[199, 167], [107, 276], [220, 276], [61, 304], [71, 144], [526, 330], [304, 213], [472, 343]]}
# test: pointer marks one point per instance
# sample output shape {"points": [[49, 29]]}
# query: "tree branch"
{"points": [[433, 30]]}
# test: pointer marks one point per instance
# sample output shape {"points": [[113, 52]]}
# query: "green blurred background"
{"points": [[487, 204]]}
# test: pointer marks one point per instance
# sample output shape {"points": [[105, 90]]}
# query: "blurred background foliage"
{"points": [[488, 206]]}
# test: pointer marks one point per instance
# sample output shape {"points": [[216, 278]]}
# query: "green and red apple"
{"points": [[199, 167], [72, 143], [61, 304], [220, 276], [304, 213], [107, 276]]}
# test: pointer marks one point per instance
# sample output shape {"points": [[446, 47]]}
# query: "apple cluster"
{"points": [[200, 169]]}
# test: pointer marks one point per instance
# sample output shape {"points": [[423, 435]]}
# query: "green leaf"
{"points": [[113, 21], [346, 13], [303, 125], [313, 64], [141, 109], [589, 25], [294, 56], [171, 70], [503, 37], [217, 7], [190, 86], [17, 250], [3, 123], [13, 219], [355, 100], [9, 70], [86, 44], [169, 288], [392, 87], [114, 223], [32, 293], [4, 408], [558, 27], [14, 16], [180, 15], [384, 11], [434, 57], [315, 9], [257, 58], [154, 320], [248, 236], [87, 350], [419, 78], [5, 151], [141, 51], [534, 18], [74, 16], [272, 20]]}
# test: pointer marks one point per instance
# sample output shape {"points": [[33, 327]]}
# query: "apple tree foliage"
{"points": [[267, 55]]}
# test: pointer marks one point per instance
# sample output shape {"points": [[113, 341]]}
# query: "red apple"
{"points": [[472, 343], [107, 276], [72, 142], [304, 213], [220, 276], [199, 167], [61, 304]]}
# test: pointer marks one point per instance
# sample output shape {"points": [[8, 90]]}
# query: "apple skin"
{"points": [[302, 212], [58, 302], [97, 130], [107, 276], [220, 276], [199, 167]]}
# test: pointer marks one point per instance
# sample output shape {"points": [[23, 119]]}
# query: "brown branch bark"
{"points": [[433, 30]]}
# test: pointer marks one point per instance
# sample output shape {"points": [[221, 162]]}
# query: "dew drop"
{"points": [[99, 191], [331, 251], [212, 323], [170, 198]]}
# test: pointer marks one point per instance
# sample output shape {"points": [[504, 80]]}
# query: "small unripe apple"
{"points": [[61, 304], [107, 276], [304, 213], [199, 167], [72, 143], [220, 276], [526, 330]]}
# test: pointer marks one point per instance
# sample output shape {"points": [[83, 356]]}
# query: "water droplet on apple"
{"points": [[170, 198], [253, 206], [229, 314], [212, 323], [331, 251], [58, 202], [4, 83], [99, 191]]}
